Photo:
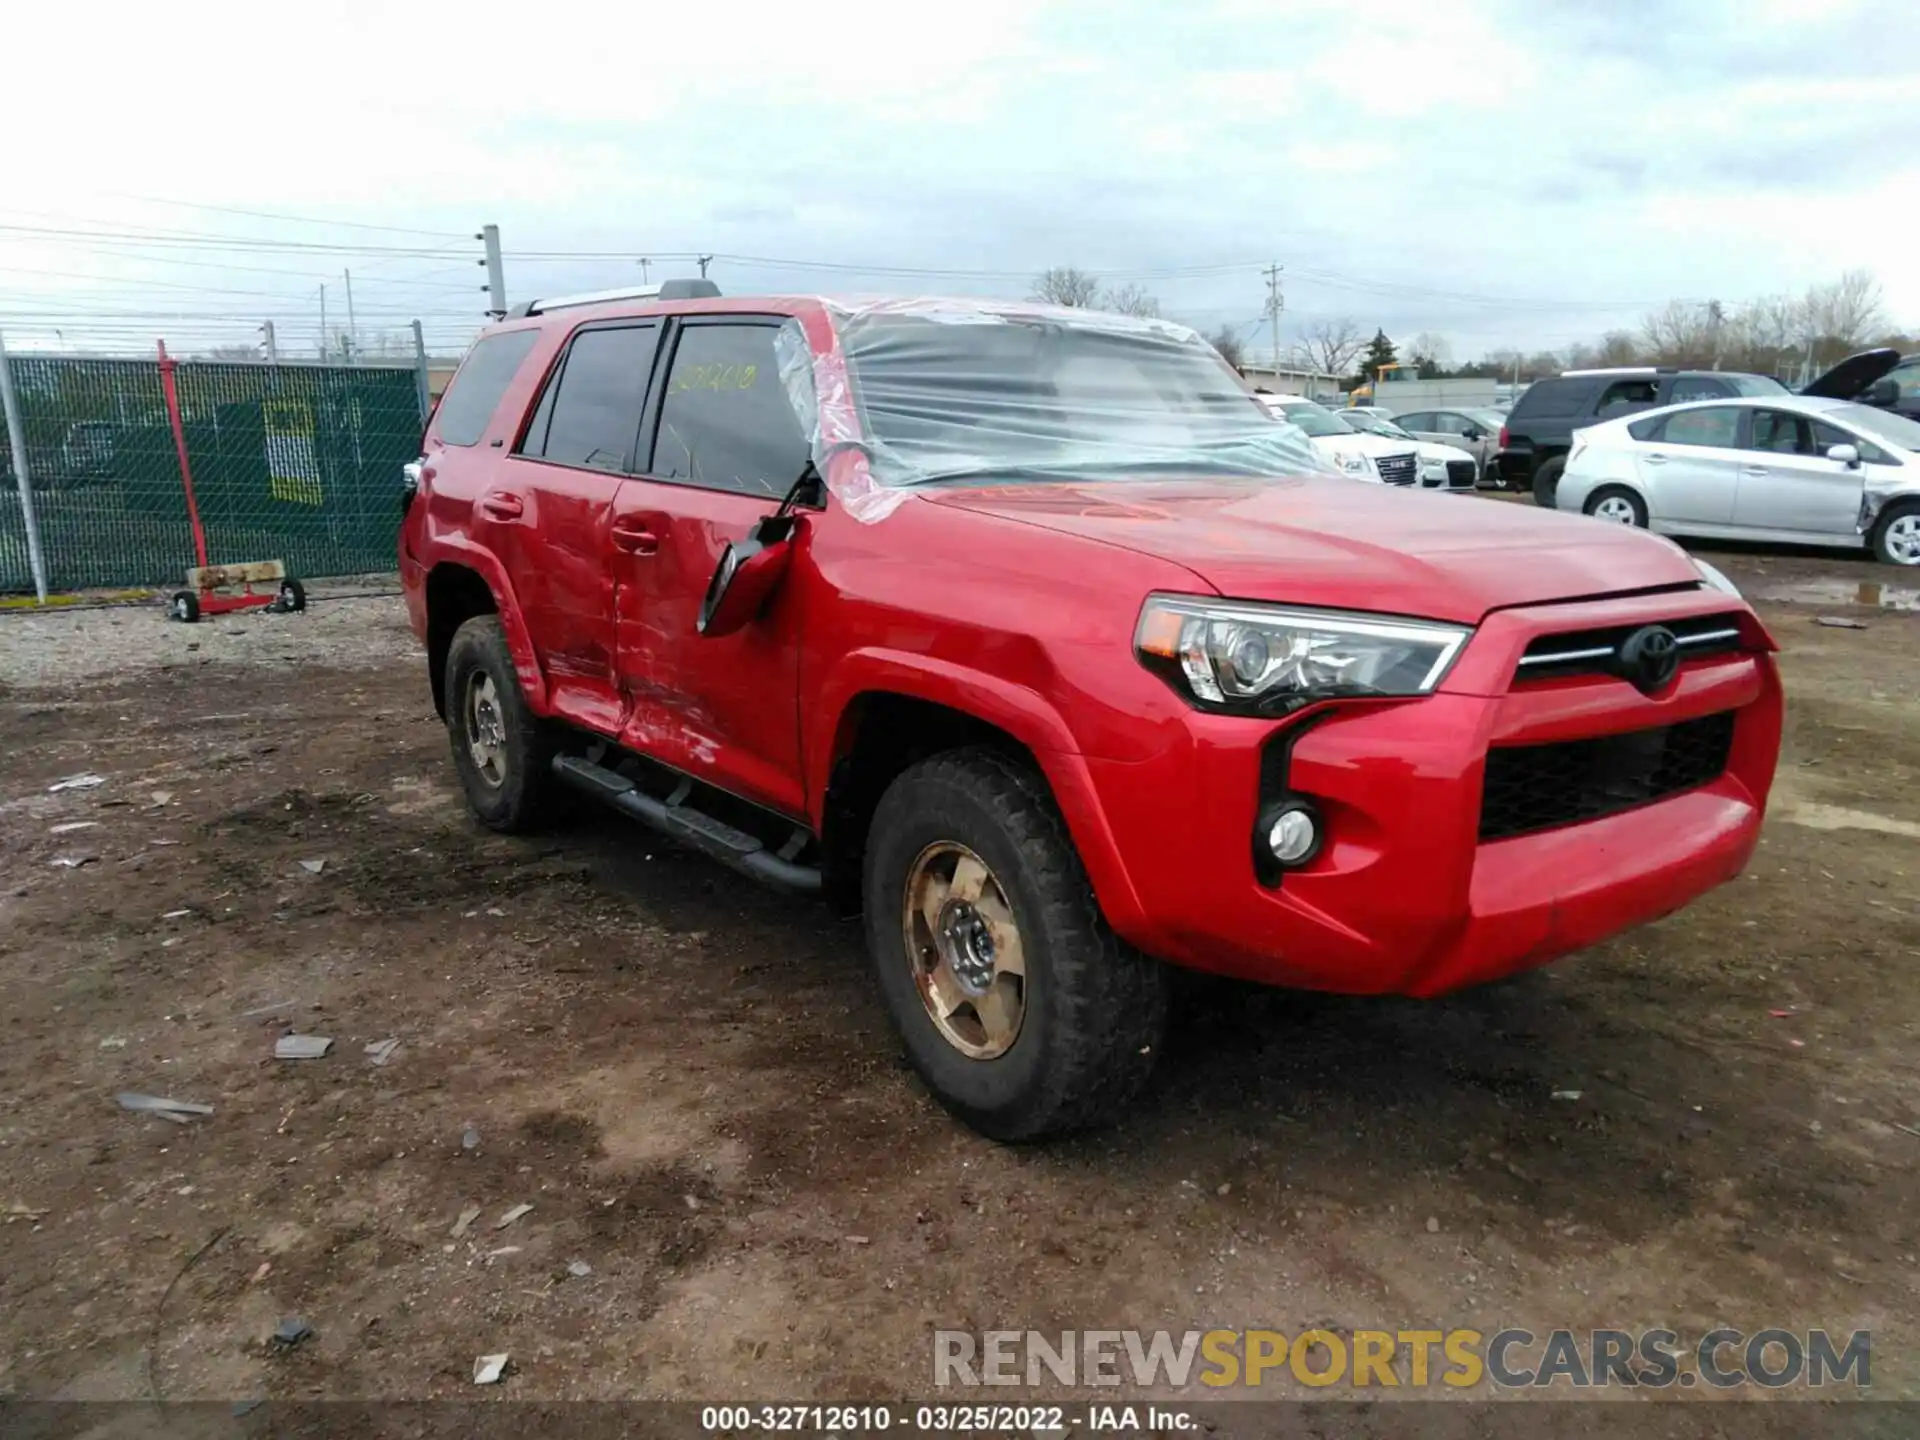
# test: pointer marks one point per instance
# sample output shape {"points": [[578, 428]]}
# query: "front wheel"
{"points": [[1896, 537], [1020, 1009], [1619, 505], [501, 749]]}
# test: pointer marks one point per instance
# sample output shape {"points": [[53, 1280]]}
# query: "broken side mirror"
{"points": [[748, 572]]}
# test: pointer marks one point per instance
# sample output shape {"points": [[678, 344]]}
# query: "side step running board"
{"points": [[677, 820]]}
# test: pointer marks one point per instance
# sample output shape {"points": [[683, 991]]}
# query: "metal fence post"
{"points": [[17, 434], [420, 378]]}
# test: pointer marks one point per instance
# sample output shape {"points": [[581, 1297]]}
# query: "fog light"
{"points": [[1293, 835]]}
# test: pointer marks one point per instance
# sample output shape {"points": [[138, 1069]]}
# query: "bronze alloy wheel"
{"points": [[964, 949], [486, 729]]}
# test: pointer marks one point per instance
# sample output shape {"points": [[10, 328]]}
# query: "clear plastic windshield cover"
{"points": [[899, 394]]}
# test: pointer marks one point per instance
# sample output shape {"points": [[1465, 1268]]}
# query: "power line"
{"points": [[295, 219]]}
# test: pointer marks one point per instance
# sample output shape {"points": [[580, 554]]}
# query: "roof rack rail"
{"points": [[664, 290]]}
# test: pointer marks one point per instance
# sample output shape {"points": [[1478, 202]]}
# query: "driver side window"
{"points": [[725, 421]]}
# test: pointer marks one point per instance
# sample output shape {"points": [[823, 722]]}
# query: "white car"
{"points": [[1442, 466], [1356, 455], [1791, 468]]}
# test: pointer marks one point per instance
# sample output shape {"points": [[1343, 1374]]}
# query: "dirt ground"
{"points": [[691, 1081]]}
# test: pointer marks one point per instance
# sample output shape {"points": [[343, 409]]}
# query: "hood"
{"points": [[1329, 542], [1853, 374]]}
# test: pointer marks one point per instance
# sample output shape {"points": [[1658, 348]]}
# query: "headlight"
{"points": [[1714, 578], [1356, 465], [1433, 469], [1245, 659]]}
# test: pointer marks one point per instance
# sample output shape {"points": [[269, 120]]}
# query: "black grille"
{"points": [[1592, 652], [1460, 474], [1536, 787], [1397, 469]]}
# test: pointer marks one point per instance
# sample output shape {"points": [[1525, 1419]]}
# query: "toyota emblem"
{"points": [[1649, 658]]}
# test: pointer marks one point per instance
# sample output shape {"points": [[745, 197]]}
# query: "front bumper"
{"points": [[1404, 897]]}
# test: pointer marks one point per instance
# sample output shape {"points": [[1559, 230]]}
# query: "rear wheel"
{"points": [[1618, 504], [1546, 481], [1896, 537], [293, 595], [1020, 1009], [502, 750], [184, 607]]}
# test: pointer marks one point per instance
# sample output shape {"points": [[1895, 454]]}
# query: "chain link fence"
{"points": [[299, 463]]}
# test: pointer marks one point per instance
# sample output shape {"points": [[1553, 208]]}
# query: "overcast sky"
{"points": [[1527, 173]]}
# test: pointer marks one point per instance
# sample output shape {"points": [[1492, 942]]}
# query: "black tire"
{"points": [[1094, 1007], [522, 793], [293, 595], [184, 607], [1618, 492], [1880, 538], [1546, 481]]}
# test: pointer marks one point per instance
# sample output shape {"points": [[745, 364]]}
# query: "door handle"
{"points": [[1755, 470], [633, 537], [1655, 459], [502, 505]]}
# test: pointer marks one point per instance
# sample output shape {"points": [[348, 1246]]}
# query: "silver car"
{"points": [[1785, 468], [1473, 430]]}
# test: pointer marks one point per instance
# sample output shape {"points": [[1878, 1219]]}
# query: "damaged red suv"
{"points": [[1027, 633]]}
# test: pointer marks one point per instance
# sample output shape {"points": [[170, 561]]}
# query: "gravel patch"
{"points": [[343, 627]]}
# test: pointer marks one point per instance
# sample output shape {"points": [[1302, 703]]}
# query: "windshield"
{"points": [[1755, 385], [1372, 424], [1315, 419], [1894, 429], [952, 393]]}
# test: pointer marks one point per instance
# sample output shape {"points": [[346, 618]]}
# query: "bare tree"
{"points": [[1064, 285], [1678, 333], [1330, 347], [1617, 347], [1430, 351], [1232, 349], [1848, 310], [1129, 300]]}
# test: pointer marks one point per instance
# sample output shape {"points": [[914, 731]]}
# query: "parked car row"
{"points": [[1364, 447]]}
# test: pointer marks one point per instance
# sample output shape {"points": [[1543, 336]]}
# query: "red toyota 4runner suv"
{"points": [[1028, 633]]}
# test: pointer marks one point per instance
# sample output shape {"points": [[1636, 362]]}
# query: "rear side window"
{"points": [[1697, 387], [1420, 420], [725, 421], [1552, 400], [482, 379], [1714, 425], [1628, 392], [590, 415]]}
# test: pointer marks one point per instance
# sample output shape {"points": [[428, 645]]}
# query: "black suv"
{"points": [[1539, 430]]}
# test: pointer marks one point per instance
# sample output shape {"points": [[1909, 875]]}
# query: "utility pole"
{"points": [[323, 322], [496, 272], [420, 377], [644, 263], [705, 260], [1275, 303], [272, 346], [353, 332]]}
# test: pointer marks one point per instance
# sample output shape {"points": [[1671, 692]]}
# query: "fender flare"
{"points": [[448, 550], [1017, 710]]}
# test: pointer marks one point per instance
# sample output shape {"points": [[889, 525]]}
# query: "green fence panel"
{"points": [[298, 463]]}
